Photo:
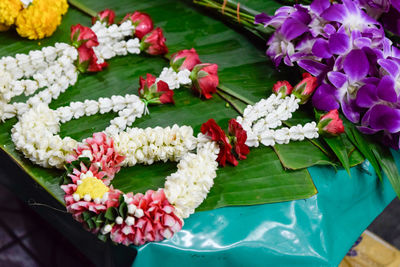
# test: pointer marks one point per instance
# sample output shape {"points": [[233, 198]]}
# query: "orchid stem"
{"points": [[81, 7]]}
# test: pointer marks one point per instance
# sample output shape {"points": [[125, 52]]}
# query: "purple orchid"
{"points": [[344, 45]]}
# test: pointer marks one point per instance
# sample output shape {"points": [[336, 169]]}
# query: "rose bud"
{"points": [[238, 137], [282, 87], [83, 35], [87, 60], [212, 129], [205, 79], [106, 16], [185, 59], [142, 21], [304, 89], [330, 124], [154, 43], [155, 92]]}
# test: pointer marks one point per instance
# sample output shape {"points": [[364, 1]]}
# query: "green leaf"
{"points": [[111, 213], [90, 223], [389, 167], [86, 215], [339, 148], [123, 209], [242, 67]]}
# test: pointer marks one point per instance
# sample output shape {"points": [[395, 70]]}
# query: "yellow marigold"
{"points": [[9, 10], [41, 18]]}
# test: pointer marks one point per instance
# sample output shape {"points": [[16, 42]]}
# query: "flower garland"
{"points": [[92, 164]]}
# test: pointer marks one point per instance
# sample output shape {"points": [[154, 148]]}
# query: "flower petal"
{"points": [[324, 98], [385, 118], [313, 67], [386, 90], [390, 66], [367, 96], [338, 79], [356, 65], [349, 109], [293, 28], [321, 48], [339, 43]]}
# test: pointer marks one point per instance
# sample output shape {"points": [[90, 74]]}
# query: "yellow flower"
{"points": [[93, 187], [3, 27], [9, 10], [41, 18]]}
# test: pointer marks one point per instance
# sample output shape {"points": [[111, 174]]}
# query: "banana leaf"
{"points": [[242, 68]]}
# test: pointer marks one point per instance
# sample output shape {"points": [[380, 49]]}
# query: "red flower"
{"points": [[87, 60], [239, 140], [155, 93], [330, 124], [212, 129], [154, 43], [304, 89], [83, 35], [106, 16], [205, 79], [142, 21], [282, 87], [185, 59]]}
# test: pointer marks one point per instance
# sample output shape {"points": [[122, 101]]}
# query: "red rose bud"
{"points": [[238, 137], [185, 59], [143, 23], [106, 16], [282, 87], [87, 60], [304, 89], [330, 124], [212, 129], [83, 35], [205, 79], [154, 43], [155, 93]]}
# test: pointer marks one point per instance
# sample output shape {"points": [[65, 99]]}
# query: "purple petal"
{"points": [[367, 130], [356, 65], [367, 96], [339, 43], [390, 66], [386, 90], [319, 6], [338, 79], [262, 18], [293, 28], [385, 118], [362, 42], [350, 110], [313, 67], [321, 49], [324, 98], [335, 12], [329, 29]]}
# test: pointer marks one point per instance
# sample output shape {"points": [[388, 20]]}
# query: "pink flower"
{"points": [[282, 87], [76, 208], [87, 60], [330, 124], [106, 16], [239, 139], [142, 21], [154, 43], [185, 59], [205, 79], [305, 88], [155, 93], [157, 223], [100, 149], [213, 130], [81, 35]]}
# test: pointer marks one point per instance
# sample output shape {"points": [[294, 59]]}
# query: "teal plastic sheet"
{"points": [[313, 232]]}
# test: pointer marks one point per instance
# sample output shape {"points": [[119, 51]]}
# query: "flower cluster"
{"points": [[155, 92], [260, 121], [35, 135], [237, 138], [154, 144], [32, 20], [101, 152], [51, 67], [345, 46], [187, 188]]}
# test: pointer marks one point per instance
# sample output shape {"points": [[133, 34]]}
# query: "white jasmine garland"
{"points": [[175, 79], [261, 120]]}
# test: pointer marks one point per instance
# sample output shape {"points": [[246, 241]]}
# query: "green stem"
{"points": [[230, 102], [81, 7], [232, 93]]}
